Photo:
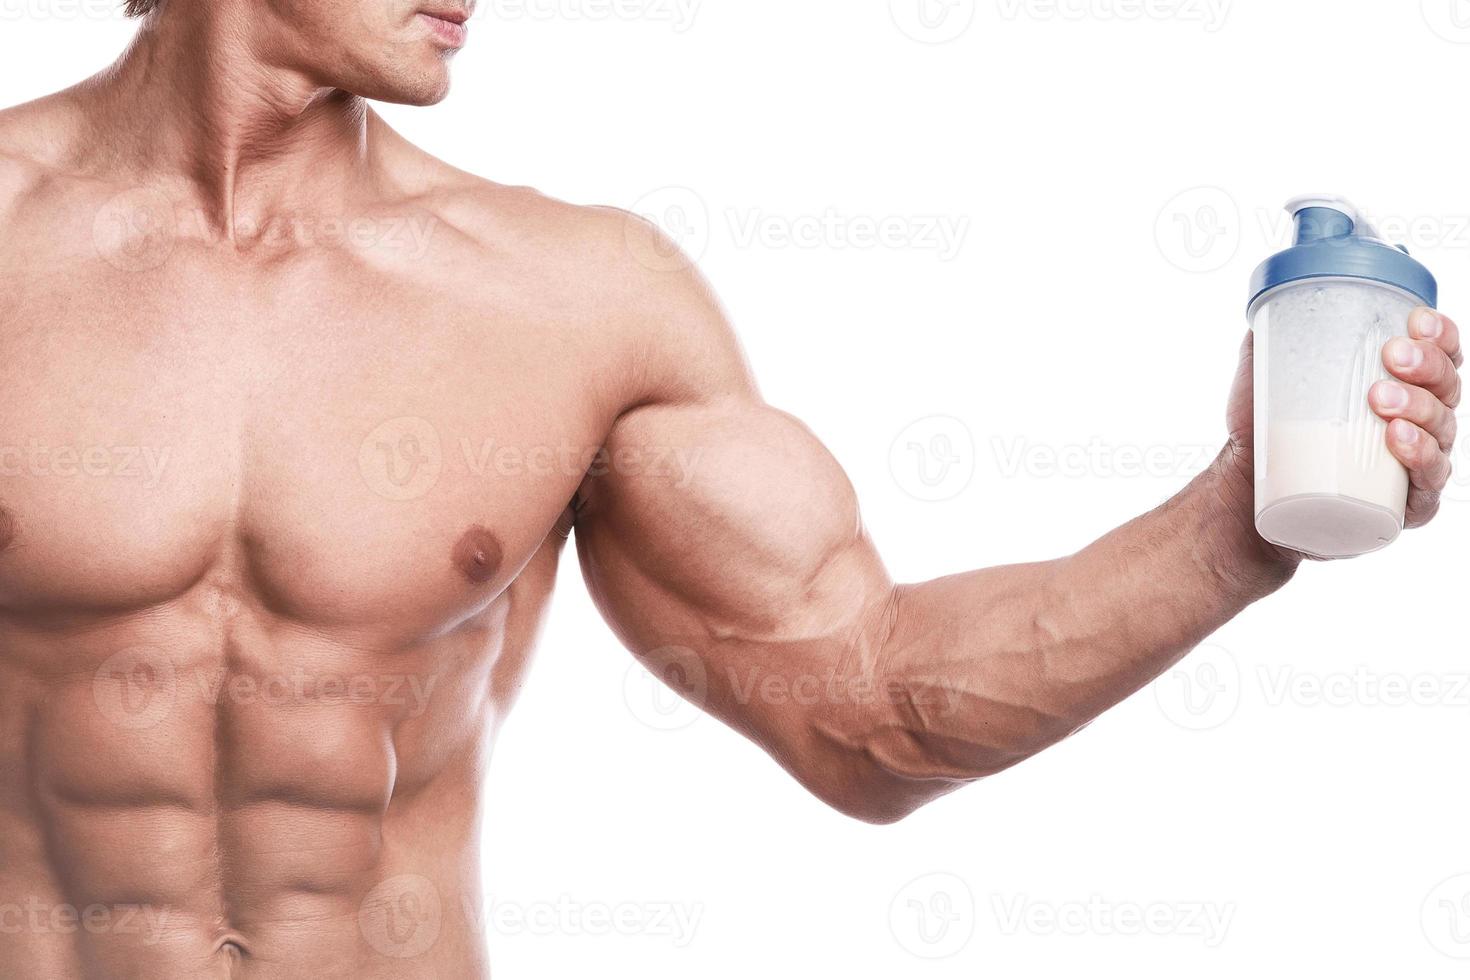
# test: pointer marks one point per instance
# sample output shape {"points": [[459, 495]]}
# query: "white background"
{"points": [[1116, 168]]}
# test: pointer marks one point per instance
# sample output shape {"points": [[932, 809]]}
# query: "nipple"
{"points": [[478, 555]]}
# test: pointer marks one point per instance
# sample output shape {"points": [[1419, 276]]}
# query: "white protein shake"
{"points": [[1322, 312]]}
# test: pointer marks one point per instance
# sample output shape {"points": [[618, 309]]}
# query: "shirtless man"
{"points": [[294, 423]]}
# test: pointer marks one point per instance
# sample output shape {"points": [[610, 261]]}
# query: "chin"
{"points": [[425, 96], [424, 88]]}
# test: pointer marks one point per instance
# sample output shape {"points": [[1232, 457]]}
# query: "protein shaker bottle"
{"points": [[1326, 484]]}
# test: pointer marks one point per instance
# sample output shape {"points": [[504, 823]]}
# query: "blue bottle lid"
{"points": [[1333, 239]]}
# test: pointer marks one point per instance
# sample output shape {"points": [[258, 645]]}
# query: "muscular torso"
{"points": [[277, 525]]}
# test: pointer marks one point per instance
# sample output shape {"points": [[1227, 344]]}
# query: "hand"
{"points": [[1420, 406]]}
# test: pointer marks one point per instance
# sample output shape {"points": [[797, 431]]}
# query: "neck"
{"points": [[196, 101]]}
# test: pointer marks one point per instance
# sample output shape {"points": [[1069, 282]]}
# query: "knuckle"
{"points": [[1438, 467], [1423, 510]]}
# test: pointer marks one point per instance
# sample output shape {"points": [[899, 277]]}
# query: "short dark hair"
{"points": [[137, 8]]}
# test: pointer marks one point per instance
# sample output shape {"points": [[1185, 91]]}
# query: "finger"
{"points": [[1422, 508], [1438, 329], [1395, 400], [1425, 364], [1428, 466]]}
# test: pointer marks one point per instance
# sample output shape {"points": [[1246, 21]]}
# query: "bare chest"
{"points": [[357, 449]]}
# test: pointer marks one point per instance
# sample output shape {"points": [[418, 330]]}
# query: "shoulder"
{"points": [[609, 270], [29, 151], [51, 169]]}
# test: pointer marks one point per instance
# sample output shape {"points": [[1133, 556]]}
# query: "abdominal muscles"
{"points": [[204, 788]]}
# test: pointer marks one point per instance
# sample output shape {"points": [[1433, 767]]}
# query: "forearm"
{"points": [[878, 697], [1023, 656]]}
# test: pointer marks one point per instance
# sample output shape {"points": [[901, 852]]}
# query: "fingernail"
{"points": [[1405, 354], [1392, 397], [1405, 433], [1430, 325]]}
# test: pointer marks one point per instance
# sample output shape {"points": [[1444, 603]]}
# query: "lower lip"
{"points": [[447, 32]]}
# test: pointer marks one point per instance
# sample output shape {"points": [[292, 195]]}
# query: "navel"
{"points": [[478, 555]]}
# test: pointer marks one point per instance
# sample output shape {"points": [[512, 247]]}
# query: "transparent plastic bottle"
{"points": [[1322, 311]]}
